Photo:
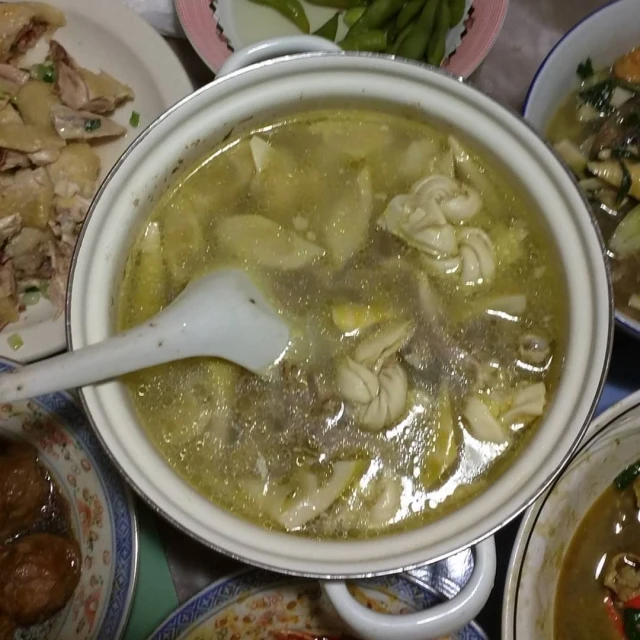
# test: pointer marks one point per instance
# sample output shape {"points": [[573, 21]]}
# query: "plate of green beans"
{"points": [[454, 34]]}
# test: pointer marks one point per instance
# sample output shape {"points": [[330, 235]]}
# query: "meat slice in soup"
{"points": [[426, 311]]}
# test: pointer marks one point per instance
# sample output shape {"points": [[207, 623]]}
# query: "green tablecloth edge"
{"points": [[155, 595]]}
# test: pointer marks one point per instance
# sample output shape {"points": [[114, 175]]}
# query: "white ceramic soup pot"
{"points": [[294, 83], [603, 36], [551, 522]]}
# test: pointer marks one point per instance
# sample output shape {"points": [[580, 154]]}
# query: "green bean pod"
{"points": [[339, 4], [456, 11], [352, 15], [292, 10], [409, 12], [329, 29], [377, 15], [400, 38], [436, 49], [414, 45], [374, 40]]}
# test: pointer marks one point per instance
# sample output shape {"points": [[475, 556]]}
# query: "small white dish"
{"points": [[108, 36], [551, 522]]}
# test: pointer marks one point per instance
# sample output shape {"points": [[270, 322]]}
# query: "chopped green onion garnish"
{"points": [[15, 341], [585, 69], [45, 72], [134, 120], [627, 476], [31, 297], [92, 124]]}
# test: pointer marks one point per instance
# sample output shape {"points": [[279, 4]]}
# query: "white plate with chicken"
{"points": [[79, 80]]}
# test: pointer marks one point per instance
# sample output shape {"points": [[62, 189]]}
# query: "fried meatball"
{"points": [[7, 627], [24, 489], [38, 575]]}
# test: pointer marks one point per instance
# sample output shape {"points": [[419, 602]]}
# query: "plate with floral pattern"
{"points": [[101, 512], [254, 604]]}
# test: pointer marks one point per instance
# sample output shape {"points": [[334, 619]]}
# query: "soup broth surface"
{"points": [[600, 570], [426, 307]]}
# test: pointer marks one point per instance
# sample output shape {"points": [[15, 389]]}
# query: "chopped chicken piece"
{"points": [[28, 192], [9, 115], [34, 101], [12, 74], [623, 576], [27, 138], [11, 79], [9, 311], [10, 158], [13, 159], [23, 23], [76, 171], [60, 255], [29, 252], [44, 157], [82, 89], [9, 226], [83, 125]]}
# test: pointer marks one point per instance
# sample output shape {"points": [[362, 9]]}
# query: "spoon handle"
{"points": [[146, 345]]}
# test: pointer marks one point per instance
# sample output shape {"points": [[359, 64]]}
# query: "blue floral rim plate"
{"points": [[101, 510], [254, 604]]}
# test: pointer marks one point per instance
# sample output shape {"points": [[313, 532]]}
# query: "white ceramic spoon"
{"points": [[221, 314]]}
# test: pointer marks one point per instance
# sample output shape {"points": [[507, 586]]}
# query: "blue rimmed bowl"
{"points": [[101, 512], [254, 604]]}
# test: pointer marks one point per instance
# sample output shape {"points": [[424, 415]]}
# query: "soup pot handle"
{"points": [[441, 620], [275, 48]]}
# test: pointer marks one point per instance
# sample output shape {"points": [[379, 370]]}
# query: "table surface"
{"points": [[532, 27]]}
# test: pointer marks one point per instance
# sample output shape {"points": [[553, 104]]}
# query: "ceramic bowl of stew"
{"points": [[566, 102], [575, 567]]}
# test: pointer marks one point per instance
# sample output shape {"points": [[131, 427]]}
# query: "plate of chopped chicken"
{"points": [[79, 80]]}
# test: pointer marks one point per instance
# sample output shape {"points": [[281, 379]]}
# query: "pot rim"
{"points": [[486, 531]]}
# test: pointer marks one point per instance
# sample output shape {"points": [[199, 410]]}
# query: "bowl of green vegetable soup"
{"points": [[585, 99], [448, 304]]}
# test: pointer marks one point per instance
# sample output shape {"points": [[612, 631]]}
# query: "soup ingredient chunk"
{"points": [[23, 488], [38, 575]]}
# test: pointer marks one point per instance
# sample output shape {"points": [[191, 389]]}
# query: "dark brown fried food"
{"points": [[24, 489], [38, 575], [7, 627]]}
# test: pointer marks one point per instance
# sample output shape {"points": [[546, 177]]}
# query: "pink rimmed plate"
{"points": [[216, 28]]}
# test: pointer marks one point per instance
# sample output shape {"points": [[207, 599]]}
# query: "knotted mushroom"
{"points": [[374, 381]]}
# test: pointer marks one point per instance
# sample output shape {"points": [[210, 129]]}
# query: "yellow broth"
{"points": [[255, 446]]}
